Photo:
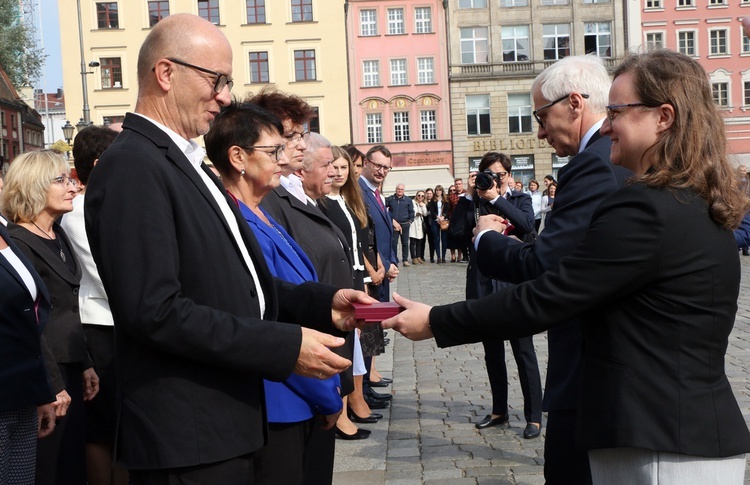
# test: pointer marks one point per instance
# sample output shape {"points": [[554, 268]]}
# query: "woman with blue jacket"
{"points": [[246, 147]]}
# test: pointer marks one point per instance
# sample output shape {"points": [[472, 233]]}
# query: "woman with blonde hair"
{"points": [[38, 190], [655, 281]]}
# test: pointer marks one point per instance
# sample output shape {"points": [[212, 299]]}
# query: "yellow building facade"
{"points": [[296, 46]]}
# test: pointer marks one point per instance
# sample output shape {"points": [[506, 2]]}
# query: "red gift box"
{"points": [[377, 312]]}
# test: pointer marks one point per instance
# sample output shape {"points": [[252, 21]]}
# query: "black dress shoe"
{"points": [[385, 379], [371, 419], [375, 404], [380, 383], [489, 421], [361, 434], [386, 341], [532, 431], [379, 396]]}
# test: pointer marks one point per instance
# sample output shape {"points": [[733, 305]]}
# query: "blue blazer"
{"points": [[297, 398], [22, 372]]}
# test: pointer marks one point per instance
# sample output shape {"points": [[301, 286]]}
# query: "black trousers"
{"points": [[563, 463], [282, 460], [321, 448], [237, 471], [528, 376]]}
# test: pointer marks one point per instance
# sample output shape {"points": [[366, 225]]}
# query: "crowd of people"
{"points": [[165, 323]]}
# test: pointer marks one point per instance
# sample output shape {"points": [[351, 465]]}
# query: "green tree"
{"points": [[20, 56]]}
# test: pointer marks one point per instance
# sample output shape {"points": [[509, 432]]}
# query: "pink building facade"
{"points": [[399, 80], [711, 32]]}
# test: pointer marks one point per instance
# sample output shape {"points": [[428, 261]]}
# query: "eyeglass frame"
{"points": [[611, 116], [549, 105], [229, 82], [379, 166], [65, 180], [292, 138], [276, 154]]}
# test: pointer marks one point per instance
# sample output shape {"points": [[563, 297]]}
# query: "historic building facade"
{"points": [[496, 49]]}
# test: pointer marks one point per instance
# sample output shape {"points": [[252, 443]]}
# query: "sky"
{"points": [[49, 31]]}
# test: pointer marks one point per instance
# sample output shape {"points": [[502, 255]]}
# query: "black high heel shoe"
{"points": [[361, 434], [371, 419]]}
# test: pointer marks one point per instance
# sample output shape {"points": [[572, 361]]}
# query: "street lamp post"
{"points": [[68, 130], [84, 72]]}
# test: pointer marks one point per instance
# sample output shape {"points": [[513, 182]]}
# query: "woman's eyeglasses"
{"points": [[65, 180], [275, 154]]}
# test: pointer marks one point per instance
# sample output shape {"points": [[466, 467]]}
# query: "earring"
{"points": [[242, 172]]}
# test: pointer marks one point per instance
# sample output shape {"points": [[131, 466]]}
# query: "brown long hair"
{"points": [[350, 190], [434, 194], [692, 153]]}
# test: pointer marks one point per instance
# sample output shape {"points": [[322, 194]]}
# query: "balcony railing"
{"points": [[511, 69]]}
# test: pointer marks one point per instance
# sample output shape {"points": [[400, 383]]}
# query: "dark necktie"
{"points": [[380, 201]]}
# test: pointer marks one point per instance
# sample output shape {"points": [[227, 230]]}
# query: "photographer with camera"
{"points": [[490, 192]]}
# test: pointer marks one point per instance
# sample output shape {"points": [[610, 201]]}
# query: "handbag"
{"points": [[444, 224]]}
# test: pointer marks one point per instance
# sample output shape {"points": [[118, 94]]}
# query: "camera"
{"points": [[485, 179]]}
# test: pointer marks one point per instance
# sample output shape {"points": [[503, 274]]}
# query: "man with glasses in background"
{"points": [[192, 299], [570, 98]]}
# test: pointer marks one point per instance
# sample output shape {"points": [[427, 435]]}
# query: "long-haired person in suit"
{"points": [[38, 190], [439, 210], [656, 281], [247, 149], [96, 318], [27, 409]]}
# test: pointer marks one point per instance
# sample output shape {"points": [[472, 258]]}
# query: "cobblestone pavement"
{"points": [[428, 436]]}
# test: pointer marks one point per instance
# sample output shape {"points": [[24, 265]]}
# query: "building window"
{"points": [[258, 67], [256, 11], [685, 3], [314, 124], [514, 3], [304, 65], [111, 72], [597, 38], [478, 114], [472, 3], [712, 3], [554, 2], [720, 93], [368, 22], [401, 126], [516, 43], [556, 40], [653, 4], [398, 72], [428, 124], [396, 21], [686, 42], [423, 20], [474, 46], [596, 1], [374, 124], [519, 113], [745, 44], [371, 73], [718, 40], [746, 93], [302, 11], [106, 15], [157, 11], [425, 70], [209, 10], [654, 40]]}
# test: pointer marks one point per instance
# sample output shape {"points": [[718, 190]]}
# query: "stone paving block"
{"points": [[451, 481]]}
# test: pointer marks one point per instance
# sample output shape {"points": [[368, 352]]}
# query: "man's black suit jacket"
{"points": [[325, 245], [583, 184], [191, 347], [655, 282]]}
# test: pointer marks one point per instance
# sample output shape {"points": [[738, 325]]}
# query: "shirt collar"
{"points": [[194, 152], [589, 134], [369, 184]]}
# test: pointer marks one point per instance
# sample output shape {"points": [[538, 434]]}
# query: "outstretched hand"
{"points": [[490, 222], [342, 311], [315, 357], [414, 322]]}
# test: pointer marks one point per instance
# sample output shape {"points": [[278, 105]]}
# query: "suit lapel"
{"points": [[40, 286], [51, 258]]}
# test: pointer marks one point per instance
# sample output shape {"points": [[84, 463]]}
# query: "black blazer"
{"points": [[325, 245], [655, 282], [587, 180], [191, 348], [22, 372], [64, 334]]}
